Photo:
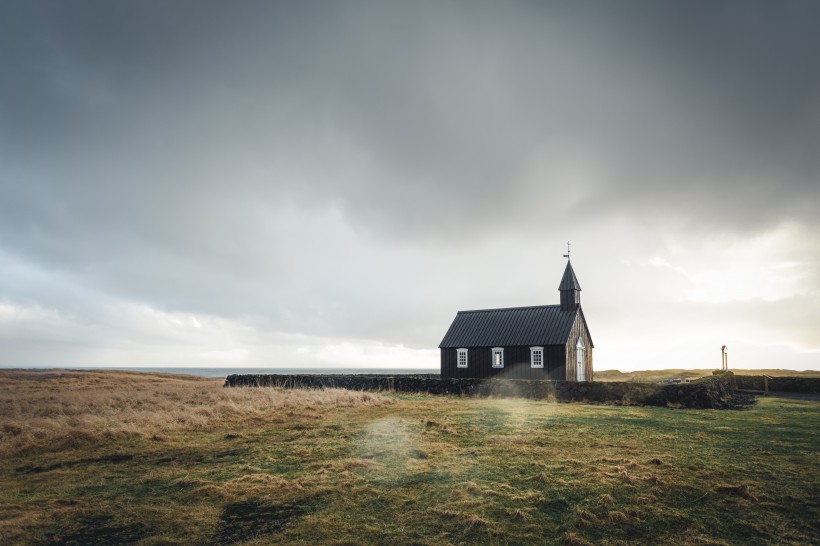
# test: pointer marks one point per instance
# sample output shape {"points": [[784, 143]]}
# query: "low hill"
{"points": [[661, 375]]}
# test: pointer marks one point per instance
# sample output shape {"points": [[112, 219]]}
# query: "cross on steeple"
{"points": [[567, 254]]}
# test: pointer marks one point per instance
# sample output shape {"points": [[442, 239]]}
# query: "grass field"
{"points": [[118, 457]]}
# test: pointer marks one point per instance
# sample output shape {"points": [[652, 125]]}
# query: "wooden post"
{"points": [[766, 384]]}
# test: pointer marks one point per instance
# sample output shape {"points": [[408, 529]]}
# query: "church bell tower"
{"points": [[569, 287]]}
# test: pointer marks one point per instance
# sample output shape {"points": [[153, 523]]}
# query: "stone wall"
{"points": [[709, 392], [779, 384]]}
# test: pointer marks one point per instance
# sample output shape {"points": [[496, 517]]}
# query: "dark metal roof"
{"points": [[569, 281], [539, 325]]}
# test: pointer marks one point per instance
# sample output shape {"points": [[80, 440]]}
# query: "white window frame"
{"points": [[540, 352], [459, 353], [580, 361], [499, 362]]}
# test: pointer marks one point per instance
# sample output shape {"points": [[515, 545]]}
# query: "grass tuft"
{"points": [[466, 519], [521, 515], [573, 539], [739, 490], [618, 517], [606, 498]]}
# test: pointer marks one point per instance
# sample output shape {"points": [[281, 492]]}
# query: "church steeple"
{"points": [[570, 289]]}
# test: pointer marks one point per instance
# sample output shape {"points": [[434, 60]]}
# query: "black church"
{"points": [[540, 342]]}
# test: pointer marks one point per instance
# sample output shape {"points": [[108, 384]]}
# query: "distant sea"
{"points": [[224, 372]]}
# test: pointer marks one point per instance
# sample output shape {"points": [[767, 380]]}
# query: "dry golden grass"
{"points": [[57, 409]]}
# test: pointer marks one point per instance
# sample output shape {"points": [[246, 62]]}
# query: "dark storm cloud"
{"points": [[238, 158], [681, 103]]}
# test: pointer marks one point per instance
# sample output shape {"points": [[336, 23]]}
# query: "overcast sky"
{"points": [[327, 183]]}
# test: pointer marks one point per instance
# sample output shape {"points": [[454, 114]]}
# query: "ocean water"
{"points": [[224, 372]]}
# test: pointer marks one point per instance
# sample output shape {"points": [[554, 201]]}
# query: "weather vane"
{"points": [[567, 254]]}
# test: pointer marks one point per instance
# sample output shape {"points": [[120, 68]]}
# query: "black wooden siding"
{"points": [[516, 329], [516, 363]]}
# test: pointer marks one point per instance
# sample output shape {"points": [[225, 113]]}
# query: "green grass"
{"points": [[436, 470]]}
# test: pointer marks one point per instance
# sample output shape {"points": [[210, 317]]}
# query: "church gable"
{"points": [[579, 350]]}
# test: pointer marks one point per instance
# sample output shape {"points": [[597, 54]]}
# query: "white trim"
{"points": [[499, 353], [459, 360], [536, 357]]}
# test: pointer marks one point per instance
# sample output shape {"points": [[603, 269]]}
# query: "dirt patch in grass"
{"points": [[246, 520], [99, 529], [113, 458]]}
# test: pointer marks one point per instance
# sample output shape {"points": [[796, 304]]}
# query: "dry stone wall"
{"points": [[779, 384], [709, 392]]}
